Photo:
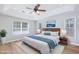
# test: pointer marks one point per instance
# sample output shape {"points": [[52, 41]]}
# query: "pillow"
{"points": [[43, 32], [50, 33], [46, 33], [54, 33]]}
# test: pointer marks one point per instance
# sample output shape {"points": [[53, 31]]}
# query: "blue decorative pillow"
{"points": [[47, 33]]}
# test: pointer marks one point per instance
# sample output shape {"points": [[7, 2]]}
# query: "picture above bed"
{"points": [[51, 23]]}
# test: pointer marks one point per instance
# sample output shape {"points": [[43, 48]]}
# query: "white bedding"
{"points": [[40, 45]]}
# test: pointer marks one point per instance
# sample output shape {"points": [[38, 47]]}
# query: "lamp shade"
{"points": [[63, 32], [38, 30]]}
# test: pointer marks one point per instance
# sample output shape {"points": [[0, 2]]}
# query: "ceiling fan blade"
{"points": [[41, 10], [29, 8], [37, 6]]}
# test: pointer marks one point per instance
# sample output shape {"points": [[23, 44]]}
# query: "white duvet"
{"points": [[40, 45]]}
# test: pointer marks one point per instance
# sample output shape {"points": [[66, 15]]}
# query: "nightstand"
{"points": [[63, 41]]}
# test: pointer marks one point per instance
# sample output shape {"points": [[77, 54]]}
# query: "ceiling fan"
{"points": [[36, 9]]}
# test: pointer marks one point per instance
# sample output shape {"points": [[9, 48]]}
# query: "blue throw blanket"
{"points": [[51, 43]]}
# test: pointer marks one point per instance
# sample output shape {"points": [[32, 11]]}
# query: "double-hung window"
{"points": [[24, 26], [20, 27], [16, 26]]}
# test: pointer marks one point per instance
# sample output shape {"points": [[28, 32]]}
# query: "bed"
{"points": [[42, 46]]}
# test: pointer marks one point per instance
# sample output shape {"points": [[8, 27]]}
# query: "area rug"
{"points": [[58, 50]]}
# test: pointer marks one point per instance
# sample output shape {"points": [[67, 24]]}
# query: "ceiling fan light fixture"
{"points": [[36, 9], [34, 13], [38, 12]]}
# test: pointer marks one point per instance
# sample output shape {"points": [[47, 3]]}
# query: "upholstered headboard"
{"points": [[52, 30]]}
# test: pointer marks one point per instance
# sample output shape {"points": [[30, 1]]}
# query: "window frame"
{"points": [[21, 31]]}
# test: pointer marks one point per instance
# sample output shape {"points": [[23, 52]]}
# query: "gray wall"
{"points": [[77, 28], [7, 21]]}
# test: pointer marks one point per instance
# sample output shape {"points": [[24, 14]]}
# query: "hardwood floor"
{"points": [[71, 49], [13, 48], [10, 48]]}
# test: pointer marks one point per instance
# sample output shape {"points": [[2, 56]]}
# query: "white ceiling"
{"points": [[51, 9]]}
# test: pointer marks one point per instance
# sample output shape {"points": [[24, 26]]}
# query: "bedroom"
{"points": [[21, 20]]}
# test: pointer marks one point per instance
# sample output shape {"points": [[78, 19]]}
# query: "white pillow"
{"points": [[54, 33], [43, 32]]}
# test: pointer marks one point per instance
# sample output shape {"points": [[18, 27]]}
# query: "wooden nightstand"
{"points": [[63, 41]]}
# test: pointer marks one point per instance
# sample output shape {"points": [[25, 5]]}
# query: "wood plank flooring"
{"points": [[13, 48], [71, 49], [10, 48]]}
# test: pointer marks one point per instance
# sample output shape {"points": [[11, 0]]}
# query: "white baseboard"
{"points": [[74, 44]]}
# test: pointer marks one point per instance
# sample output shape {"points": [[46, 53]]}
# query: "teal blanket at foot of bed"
{"points": [[50, 42]]}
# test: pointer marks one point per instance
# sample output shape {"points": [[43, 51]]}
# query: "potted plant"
{"points": [[3, 33]]}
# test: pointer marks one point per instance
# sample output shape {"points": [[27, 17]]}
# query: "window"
{"points": [[20, 27], [71, 27], [17, 26], [24, 26]]}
